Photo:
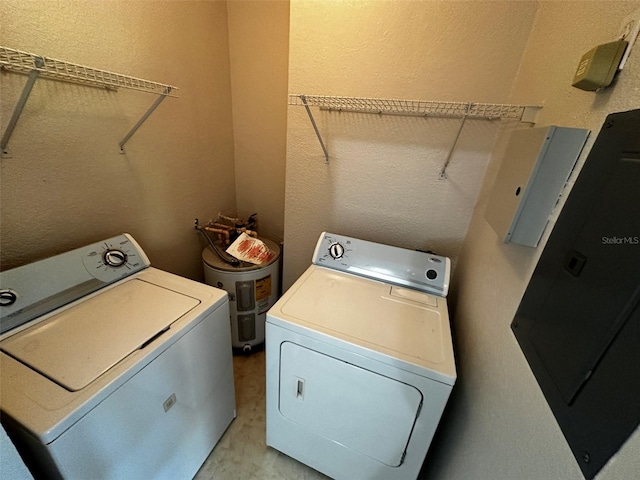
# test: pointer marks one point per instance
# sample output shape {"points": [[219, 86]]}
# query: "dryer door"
{"points": [[364, 411]]}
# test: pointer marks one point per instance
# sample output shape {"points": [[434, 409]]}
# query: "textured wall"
{"points": [[499, 425], [259, 55], [382, 182], [67, 184]]}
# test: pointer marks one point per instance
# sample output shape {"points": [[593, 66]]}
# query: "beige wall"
{"points": [[259, 54], [382, 181], [499, 425], [67, 184]]}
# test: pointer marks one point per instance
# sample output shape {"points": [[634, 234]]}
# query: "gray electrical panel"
{"points": [[535, 167], [578, 323]]}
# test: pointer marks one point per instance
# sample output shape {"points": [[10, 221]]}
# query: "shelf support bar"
{"points": [[17, 111], [443, 172], [133, 130], [315, 127]]}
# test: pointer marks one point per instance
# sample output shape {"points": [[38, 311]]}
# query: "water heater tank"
{"points": [[252, 290]]}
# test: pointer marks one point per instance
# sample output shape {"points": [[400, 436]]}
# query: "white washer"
{"points": [[113, 369], [360, 360]]}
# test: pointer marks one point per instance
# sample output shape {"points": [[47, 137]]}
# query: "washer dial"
{"points": [[7, 297], [114, 258], [336, 250]]}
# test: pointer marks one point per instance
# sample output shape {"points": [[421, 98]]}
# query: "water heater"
{"points": [[252, 290]]}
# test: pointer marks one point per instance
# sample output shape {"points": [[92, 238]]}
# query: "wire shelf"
{"points": [[36, 66], [415, 107], [423, 108], [24, 62]]}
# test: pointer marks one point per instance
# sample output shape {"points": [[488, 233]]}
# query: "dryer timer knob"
{"points": [[336, 250]]}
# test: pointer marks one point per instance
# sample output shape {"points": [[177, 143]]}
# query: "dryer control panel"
{"points": [[399, 266], [35, 289]]}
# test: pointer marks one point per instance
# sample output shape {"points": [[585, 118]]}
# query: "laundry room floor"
{"points": [[241, 453]]}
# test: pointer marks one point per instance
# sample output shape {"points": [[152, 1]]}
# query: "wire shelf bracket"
{"points": [[36, 66], [303, 98], [422, 108], [144, 117]]}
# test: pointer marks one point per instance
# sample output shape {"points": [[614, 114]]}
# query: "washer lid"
{"points": [[398, 322], [77, 345]]}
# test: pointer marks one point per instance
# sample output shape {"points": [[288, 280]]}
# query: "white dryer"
{"points": [[360, 360], [112, 369]]}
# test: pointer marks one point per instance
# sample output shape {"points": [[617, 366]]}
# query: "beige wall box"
{"points": [[598, 66], [536, 165]]}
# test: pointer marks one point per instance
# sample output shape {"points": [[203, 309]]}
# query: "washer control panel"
{"points": [[113, 259], [409, 268], [35, 289]]}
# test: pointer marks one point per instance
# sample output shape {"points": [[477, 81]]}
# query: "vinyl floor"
{"points": [[241, 453]]}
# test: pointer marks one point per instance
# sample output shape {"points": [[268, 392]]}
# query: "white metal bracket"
{"points": [[315, 127], [17, 111], [143, 119], [443, 172]]}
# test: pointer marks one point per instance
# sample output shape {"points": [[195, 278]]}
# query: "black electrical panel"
{"points": [[578, 323]]}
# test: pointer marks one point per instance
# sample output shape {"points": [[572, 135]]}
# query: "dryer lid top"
{"points": [[397, 322], [79, 344]]}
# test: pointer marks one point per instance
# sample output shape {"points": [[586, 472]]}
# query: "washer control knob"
{"points": [[431, 274], [336, 250], [114, 258], [7, 297]]}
